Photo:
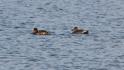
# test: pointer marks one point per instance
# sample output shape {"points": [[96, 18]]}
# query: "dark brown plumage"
{"points": [[39, 32], [76, 30]]}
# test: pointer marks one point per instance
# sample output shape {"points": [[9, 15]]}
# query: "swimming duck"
{"points": [[76, 30], [39, 32]]}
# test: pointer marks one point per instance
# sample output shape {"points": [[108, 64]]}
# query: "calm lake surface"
{"points": [[102, 49]]}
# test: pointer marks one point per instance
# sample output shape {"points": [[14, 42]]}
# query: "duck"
{"points": [[76, 30], [35, 31]]}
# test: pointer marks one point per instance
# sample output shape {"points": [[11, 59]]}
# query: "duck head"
{"points": [[75, 28], [35, 31]]}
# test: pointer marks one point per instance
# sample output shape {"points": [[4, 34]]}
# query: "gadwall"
{"points": [[76, 30], [39, 32]]}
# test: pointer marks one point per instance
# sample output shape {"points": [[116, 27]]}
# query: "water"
{"points": [[102, 49]]}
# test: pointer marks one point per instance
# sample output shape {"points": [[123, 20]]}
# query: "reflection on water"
{"points": [[101, 49]]}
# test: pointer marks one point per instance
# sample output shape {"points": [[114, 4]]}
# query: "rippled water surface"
{"points": [[102, 49]]}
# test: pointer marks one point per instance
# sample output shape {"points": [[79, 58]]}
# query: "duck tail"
{"points": [[86, 32]]}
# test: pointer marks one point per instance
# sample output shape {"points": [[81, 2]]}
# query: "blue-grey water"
{"points": [[102, 49]]}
